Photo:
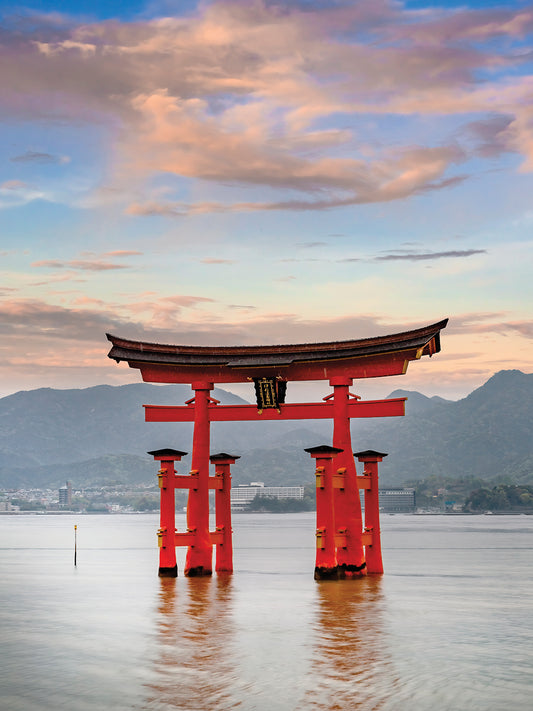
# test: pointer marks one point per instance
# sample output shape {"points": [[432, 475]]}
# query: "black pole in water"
{"points": [[75, 543]]}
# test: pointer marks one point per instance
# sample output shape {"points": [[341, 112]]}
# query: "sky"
{"points": [[242, 172]]}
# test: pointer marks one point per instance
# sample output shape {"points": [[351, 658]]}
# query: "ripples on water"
{"points": [[448, 627]]}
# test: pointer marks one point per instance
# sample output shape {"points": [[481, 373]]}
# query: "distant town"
{"points": [[122, 498], [115, 498], [107, 498]]}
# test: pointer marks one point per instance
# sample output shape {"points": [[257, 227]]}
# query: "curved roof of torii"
{"points": [[366, 357]]}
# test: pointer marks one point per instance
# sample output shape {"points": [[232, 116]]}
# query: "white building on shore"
{"points": [[244, 494]]}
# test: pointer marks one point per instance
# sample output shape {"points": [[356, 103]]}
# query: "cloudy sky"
{"points": [[243, 171]]}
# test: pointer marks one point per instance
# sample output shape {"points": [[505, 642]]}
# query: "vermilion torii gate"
{"points": [[270, 368]]}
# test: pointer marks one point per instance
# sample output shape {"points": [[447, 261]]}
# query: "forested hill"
{"points": [[97, 434], [488, 434]]}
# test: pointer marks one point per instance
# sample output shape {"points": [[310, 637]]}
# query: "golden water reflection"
{"points": [[351, 667], [203, 658], [193, 667]]}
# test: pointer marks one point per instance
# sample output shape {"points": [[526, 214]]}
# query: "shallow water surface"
{"points": [[448, 627]]}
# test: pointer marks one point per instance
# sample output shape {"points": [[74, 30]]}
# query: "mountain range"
{"points": [[98, 435]]}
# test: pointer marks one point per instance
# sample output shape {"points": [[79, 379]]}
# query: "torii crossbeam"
{"points": [[270, 368]]}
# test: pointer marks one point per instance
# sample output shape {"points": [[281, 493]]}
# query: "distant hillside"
{"points": [[53, 426], [99, 433], [488, 434]]}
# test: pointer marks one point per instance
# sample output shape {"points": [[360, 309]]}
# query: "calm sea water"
{"points": [[449, 625]]}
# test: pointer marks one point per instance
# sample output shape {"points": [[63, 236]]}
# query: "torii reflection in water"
{"points": [[351, 666], [194, 668]]}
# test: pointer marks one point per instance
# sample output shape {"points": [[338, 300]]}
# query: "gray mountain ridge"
{"points": [[98, 434]]}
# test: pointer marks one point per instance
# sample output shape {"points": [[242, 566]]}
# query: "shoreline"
{"points": [[515, 512]]}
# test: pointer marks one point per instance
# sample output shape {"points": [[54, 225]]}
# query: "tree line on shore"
{"points": [[498, 498], [501, 498]]}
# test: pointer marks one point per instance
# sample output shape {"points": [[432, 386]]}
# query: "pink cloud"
{"points": [[88, 301], [215, 260], [123, 253], [491, 322], [395, 177], [166, 313], [84, 265], [37, 319], [13, 185], [58, 278], [463, 25], [42, 340], [251, 85]]}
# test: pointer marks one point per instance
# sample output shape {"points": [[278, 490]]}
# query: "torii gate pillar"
{"points": [[224, 549], [326, 567], [200, 555], [167, 523], [348, 517], [370, 458]]}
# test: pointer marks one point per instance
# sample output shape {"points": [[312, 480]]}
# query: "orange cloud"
{"points": [[243, 107], [84, 265], [123, 253], [52, 343], [215, 260]]}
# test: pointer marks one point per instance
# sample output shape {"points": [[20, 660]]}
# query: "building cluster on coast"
{"points": [[392, 500], [121, 498], [106, 498]]}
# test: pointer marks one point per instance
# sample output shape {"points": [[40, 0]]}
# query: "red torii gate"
{"points": [[270, 368]]}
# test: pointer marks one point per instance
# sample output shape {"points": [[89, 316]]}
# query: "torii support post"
{"points": [[348, 516], [224, 550], [370, 458], [200, 555], [167, 521], [326, 557]]}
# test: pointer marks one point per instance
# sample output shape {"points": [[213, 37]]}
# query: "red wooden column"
{"points": [[199, 555], [224, 550], [326, 558], [167, 521], [370, 458], [348, 517]]}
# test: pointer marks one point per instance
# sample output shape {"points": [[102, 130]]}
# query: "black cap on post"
{"points": [[167, 454], [323, 449], [369, 454], [223, 456]]}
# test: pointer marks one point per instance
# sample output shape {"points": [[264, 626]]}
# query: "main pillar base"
{"points": [[168, 572], [326, 573], [352, 571], [198, 571]]}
